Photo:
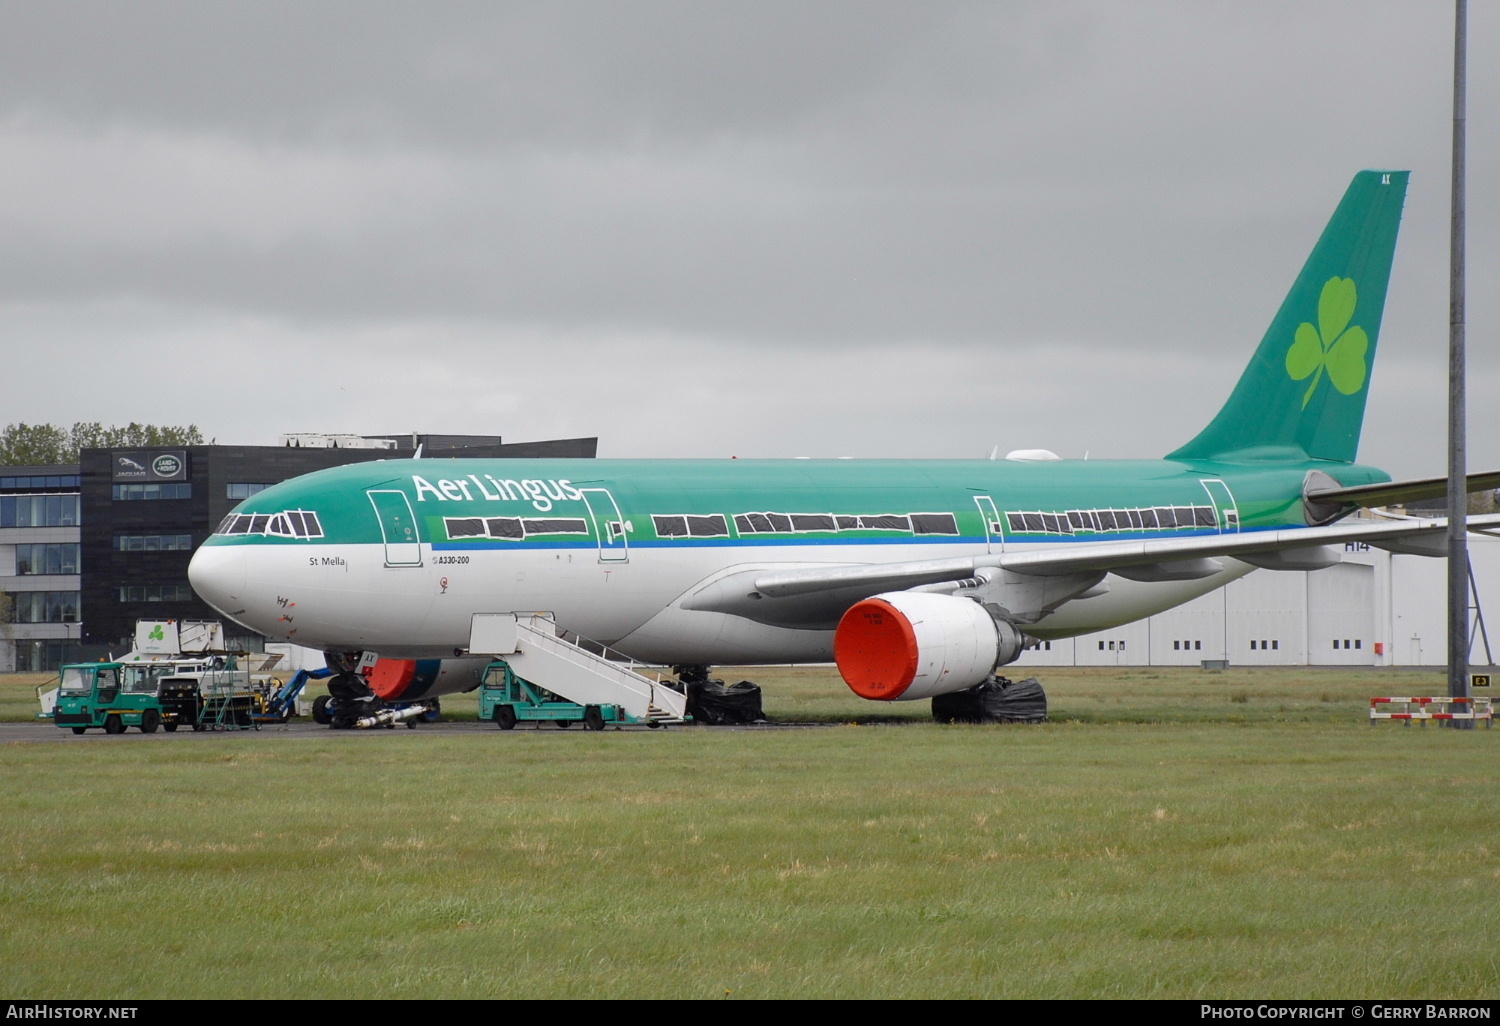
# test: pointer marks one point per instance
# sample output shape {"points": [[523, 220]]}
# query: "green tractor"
{"points": [[119, 695], [507, 700]]}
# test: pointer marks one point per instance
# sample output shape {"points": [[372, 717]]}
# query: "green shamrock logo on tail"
{"points": [[1332, 345]]}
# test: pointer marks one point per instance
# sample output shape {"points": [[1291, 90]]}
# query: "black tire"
{"points": [[320, 712], [505, 717], [653, 724], [170, 728], [564, 724], [593, 718], [150, 720], [434, 711], [113, 724], [79, 730]]}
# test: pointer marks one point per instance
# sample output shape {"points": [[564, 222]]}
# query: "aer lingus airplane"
{"points": [[916, 577]]}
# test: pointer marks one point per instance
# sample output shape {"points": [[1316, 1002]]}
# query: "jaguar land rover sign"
{"points": [[150, 466]]}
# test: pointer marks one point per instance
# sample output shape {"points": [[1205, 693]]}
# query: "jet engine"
{"points": [[905, 645], [406, 680]]}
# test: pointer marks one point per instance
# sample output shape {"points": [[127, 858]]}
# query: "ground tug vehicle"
{"points": [[507, 700], [117, 695], [178, 673]]}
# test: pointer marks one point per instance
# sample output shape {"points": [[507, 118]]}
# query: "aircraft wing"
{"points": [[815, 597], [1386, 493]]}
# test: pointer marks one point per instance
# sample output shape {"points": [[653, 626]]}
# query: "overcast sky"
{"points": [[713, 229]]}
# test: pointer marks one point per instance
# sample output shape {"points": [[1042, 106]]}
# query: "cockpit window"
{"points": [[293, 523]]}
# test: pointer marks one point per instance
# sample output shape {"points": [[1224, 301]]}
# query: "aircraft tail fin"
{"points": [[1305, 388]]}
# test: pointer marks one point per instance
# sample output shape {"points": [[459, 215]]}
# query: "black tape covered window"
{"points": [[554, 525], [505, 528], [712, 525], [937, 523], [464, 527]]}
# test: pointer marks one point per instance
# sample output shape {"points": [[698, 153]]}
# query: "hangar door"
{"points": [[1341, 615]]}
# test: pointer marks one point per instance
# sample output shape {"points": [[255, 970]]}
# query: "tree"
{"points": [[33, 444], [41, 444]]}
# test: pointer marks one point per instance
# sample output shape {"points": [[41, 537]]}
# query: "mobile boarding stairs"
{"points": [[575, 668]]}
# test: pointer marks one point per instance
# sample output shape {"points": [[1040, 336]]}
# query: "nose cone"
{"points": [[217, 574]]}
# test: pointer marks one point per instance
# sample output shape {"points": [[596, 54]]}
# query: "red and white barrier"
{"points": [[1436, 708]]}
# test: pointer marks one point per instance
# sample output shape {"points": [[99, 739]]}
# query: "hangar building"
{"points": [[1375, 608]]}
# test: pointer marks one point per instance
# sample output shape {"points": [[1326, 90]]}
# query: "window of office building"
{"points": [[137, 492], [46, 559], [155, 593], [245, 489], [51, 483], [44, 656], [153, 543], [44, 606], [38, 511]]}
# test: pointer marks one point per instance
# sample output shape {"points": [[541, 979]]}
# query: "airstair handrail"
{"points": [[605, 652], [652, 690]]}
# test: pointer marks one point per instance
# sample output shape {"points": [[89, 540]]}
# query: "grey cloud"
{"points": [[477, 74], [1023, 189]]}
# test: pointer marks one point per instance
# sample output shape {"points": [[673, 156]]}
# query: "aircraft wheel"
{"points": [[150, 720], [505, 717], [434, 711], [593, 718], [79, 730], [320, 712], [113, 724]]}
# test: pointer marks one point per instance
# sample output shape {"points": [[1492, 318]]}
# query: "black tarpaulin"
{"points": [[715, 703], [997, 700]]}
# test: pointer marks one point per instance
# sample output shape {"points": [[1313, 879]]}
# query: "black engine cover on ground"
{"points": [[997, 700], [714, 703]]}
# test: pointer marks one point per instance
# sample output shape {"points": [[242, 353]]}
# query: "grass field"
{"points": [[1173, 833]]}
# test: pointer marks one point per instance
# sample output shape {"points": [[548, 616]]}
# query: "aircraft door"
{"points": [[609, 526], [108, 685], [994, 532], [1226, 513], [398, 526]]}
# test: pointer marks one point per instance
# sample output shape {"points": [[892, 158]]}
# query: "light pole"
{"points": [[1458, 505]]}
